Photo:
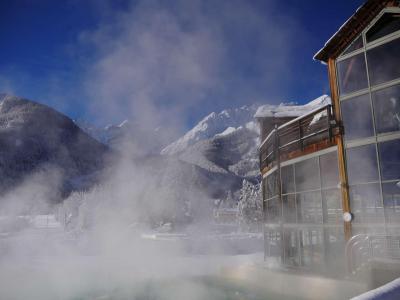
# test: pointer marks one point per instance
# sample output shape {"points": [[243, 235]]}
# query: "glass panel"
{"points": [[289, 208], [391, 201], [365, 229], [335, 245], [387, 24], [329, 169], [387, 109], [273, 243], [332, 204], [366, 204], [272, 186], [287, 175], [291, 247], [309, 207], [362, 164], [312, 252], [352, 74], [389, 157], [357, 44], [307, 175], [273, 210], [357, 117], [384, 62]]}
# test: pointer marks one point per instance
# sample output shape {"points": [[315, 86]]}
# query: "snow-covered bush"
{"points": [[250, 204]]}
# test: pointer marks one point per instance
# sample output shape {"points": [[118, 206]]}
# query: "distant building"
{"points": [[331, 177]]}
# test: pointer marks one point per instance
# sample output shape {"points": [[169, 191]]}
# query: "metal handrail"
{"points": [[296, 131], [369, 247]]}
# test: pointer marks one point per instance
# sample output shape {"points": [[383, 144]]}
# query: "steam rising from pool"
{"points": [[96, 245]]}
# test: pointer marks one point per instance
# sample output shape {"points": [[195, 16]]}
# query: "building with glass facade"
{"points": [[331, 178]]}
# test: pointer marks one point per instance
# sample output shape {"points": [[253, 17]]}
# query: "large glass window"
{"points": [[352, 74], [287, 177], [312, 241], [387, 24], [309, 207], [310, 198], [272, 185], [332, 206], [335, 249], [366, 203], [384, 62], [391, 201], [387, 109], [273, 210], [389, 157], [310, 192], [291, 248], [329, 170], [289, 208], [307, 175], [362, 164], [357, 117], [373, 169]]}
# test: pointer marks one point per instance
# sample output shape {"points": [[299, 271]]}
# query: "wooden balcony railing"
{"points": [[295, 136]]}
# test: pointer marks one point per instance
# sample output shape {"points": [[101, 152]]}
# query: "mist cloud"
{"points": [[159, 62]]}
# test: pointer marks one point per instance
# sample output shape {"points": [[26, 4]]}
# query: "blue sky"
{"points": [[164, 62]]}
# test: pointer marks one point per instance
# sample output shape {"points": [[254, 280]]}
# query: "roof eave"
{"points": [[351, 29]]}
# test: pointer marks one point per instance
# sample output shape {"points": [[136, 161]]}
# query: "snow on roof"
{"points": [[290, 110]]}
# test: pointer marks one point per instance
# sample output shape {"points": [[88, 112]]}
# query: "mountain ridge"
{"points": [[37, 138]]}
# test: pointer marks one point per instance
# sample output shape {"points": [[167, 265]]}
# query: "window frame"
{"points": [[368, 46], [370, 89], [377, 137], [375, 43], [321, 189]]}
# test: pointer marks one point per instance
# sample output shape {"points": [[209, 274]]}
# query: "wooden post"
{"points": [[344, 186], [329, 114]]}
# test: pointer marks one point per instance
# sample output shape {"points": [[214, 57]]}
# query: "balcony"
{"points": [[306, 134]]}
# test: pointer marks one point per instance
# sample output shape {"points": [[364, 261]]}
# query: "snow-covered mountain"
{"points": [[210, 163], [35, 138], [215, 123]]}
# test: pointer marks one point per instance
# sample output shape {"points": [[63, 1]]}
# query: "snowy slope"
{"points": [[211, 125], [36, 138], [234, 152]]}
